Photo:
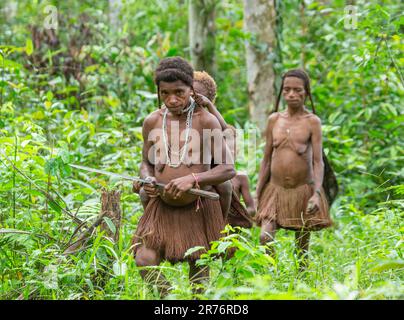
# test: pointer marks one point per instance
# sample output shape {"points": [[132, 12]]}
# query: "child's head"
{"points": [[295, 88], [174, 80], [205, 85]]}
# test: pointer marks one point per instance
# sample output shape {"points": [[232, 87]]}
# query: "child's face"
{"points": [[293, 91], [175, 95], [200, 89]]}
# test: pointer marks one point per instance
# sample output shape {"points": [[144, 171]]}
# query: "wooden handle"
{"points": [[204, 193], [196, 192]]}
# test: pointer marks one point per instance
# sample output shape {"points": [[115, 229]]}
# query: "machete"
{"points": [[196, 192]]}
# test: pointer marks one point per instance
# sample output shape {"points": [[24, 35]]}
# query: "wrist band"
{"points": [[199, 200], [196, 180], [318, 191]]}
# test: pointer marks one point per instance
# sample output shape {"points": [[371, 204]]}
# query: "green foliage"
{"points": [[80, 95]]}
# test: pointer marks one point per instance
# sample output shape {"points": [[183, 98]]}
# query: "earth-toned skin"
{"points": [[299, 164], [176, 97]]}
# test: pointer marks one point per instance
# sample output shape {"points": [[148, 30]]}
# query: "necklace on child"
{"points": [[188, 126]]}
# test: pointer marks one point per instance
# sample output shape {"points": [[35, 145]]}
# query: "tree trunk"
{"points": [[111, 208], [259, 22], [202, 34]]}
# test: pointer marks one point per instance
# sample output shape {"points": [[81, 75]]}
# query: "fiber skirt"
{"points": [[238, 215], [171, 231], [287, 208]]}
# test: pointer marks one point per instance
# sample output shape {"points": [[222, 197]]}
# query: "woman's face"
{"points": [[293, 92], [175, 95]]}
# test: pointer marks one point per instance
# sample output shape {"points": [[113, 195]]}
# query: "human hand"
{"points": [[251, 211], [313, 204], [176, 187], [202, 101], [151, 188], [136, 186]]}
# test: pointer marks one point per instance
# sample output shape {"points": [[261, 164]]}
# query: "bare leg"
{"points": [[144, 198], [197, 275], [145, 258], [225, 190], [302, 248], [268, 231]]}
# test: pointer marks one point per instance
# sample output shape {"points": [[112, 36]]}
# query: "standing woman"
{"points": [[289, 189]]}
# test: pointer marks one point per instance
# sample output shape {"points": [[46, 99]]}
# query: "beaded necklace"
{"points": [[188, 126]]}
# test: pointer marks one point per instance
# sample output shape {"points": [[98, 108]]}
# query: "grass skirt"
{"points": [[171, 231], [287, 207], [238, 215]]}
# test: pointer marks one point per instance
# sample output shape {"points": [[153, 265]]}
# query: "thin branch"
{"points": [[84, 236]]}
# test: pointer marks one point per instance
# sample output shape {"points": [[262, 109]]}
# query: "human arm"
{"points": [[265, 167], [246, 194], [318, 164], [147, 167]]}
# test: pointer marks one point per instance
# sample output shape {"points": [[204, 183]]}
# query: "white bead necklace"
{"points": [[188, 126]]}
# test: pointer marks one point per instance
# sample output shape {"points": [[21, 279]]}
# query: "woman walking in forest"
{"points": [[289, 189], [175, 221]]}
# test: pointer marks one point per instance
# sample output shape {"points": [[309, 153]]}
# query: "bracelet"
{"points": [[318, 191], [198, 201], [196, 180]]}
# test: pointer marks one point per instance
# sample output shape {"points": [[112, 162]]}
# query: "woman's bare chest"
{"points": [[294, 133]]}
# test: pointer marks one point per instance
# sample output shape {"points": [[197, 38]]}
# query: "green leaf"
{"points": [[388, 265], [239, 254], [49, 95], [29, 48], [65, 156], [65, 170], [91, 68], [110, 224], [34, 192], [223, 246], [55, 206], [192, 250]]}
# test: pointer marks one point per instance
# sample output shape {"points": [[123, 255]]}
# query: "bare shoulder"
{"points": [[271, 121], [151, 119], [314, 120], [273, 117], [208, 120]]}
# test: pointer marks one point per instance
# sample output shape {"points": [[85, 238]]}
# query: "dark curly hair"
{"points": [[208, 83], [173, 69]]}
